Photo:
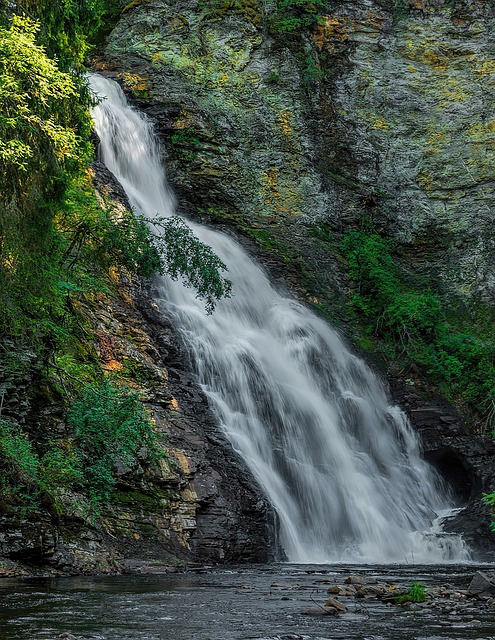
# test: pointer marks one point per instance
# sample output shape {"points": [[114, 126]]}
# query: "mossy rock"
{"points": [[250, 9], [138, 500]]}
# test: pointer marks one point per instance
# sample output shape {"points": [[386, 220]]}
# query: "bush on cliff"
{"points": [[293, 15], [418, 326]]}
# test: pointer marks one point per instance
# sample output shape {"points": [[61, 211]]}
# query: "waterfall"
{"points": [[340, 465]]}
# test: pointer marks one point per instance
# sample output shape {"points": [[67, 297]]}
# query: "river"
{"points": [[266, 602]]}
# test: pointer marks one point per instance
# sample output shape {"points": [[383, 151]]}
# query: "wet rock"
{"points": [[10, 569], [331, 602], [281, 586], [323, 581], [320, 611], [464, 459], [482, 584], [27, 540], [370, 591], [360, 580], [342, 590]]}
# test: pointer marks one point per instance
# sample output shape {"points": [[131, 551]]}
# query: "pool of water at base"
{"points": [[268, 602]]}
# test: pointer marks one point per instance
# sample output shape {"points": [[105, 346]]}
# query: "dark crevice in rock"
{"points": [[451, 466], [465, 461]]}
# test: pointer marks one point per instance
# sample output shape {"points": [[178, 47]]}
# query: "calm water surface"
{"points": [[265, 602]]}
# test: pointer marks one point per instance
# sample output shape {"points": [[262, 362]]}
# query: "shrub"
{"points": [[250, 9], [101, 236], [68, 25], [43, 125], [489, 500], [415, 593], [111, 430], [111, 427], [19, 467], [184, 255], [293, 15], [418, 326]]}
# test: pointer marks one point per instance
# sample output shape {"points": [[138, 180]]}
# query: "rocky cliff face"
{"points": [[381, 115], [374, 113], [413, 114]]}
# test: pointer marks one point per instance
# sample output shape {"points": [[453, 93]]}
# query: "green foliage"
{"points": [[19, 467], [61, 467], [489, 500], [418, 325], [111, 427], [67, 25], [250, 9], [187, 144], [42, 114], [104, 236], [44, 120], [81, 240], [311, 70], [185, 256], [294, 15], [56, 238], [415, 593], [401, 7]]}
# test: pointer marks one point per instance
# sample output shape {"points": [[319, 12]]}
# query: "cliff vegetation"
{"points": [[65, 248]]}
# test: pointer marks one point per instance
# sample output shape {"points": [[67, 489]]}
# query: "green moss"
{"points": [[137, 500], [186, 143], [323, 233], [250, 9], [138, 372], [133, 5]]}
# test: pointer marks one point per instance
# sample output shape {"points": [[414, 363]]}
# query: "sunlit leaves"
{"points": [[38, 104]]}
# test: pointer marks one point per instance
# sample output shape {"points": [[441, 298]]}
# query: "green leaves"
{"points": [[44, 120], [101, 235], [105, 236], [489, 500], [111, 427], [38, 103], [110, 430], [293, 15], [415, 593], [67, 25], [185, 256], [419, 327], [19, 467]]}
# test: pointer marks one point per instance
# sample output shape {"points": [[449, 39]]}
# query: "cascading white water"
{"points": [[340, 465]]}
